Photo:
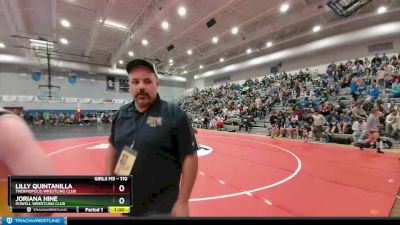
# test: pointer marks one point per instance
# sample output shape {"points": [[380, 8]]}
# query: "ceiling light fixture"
{"points": [[165, 25], [284, 7], [215, 40], [65, 23], [316, 28], [182, 11], [235, 30], [381, 10], [64, 41]]}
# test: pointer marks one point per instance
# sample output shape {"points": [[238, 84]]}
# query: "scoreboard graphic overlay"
{"points": [[74, 194]]}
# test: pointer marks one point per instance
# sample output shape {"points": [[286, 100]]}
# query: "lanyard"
{"points": [[136, 130]]}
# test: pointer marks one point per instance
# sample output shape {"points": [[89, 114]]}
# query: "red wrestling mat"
{"points": [[250, 175]]}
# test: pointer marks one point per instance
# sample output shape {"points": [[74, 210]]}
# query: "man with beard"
{"points": [[160, 144]]}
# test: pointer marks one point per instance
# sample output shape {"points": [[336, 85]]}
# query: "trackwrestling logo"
{"points": [[34, 220]]}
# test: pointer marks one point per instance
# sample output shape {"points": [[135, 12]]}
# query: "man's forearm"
{"points": [[110, 160], [189, 173]]}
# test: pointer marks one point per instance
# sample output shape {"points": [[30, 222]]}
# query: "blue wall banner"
{"points": [[36, 76], [72, 77]]}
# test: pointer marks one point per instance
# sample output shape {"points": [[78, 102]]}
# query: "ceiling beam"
{"points": [[54, 19], [256, 18], [194, 25], [11, 21], [389, 29], [17, 15], [14, 20], [307, 12], [142, 23], [102, 13]]}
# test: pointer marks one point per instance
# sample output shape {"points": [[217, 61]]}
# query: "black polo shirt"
{"points": [[161, 147]]}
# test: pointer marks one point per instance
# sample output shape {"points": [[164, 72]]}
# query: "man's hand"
{"points": [[180, 209]]}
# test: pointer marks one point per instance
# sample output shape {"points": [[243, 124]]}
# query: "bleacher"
{"points": [[315, 85]]}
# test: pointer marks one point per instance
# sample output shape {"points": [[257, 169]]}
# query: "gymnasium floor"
{"points": [[253, 175]]}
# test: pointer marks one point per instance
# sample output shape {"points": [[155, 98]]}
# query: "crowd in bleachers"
{"points": [[47, 118], [306, 104]]}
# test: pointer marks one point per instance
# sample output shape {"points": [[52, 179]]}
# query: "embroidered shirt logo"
{"points": [[154, 121]]}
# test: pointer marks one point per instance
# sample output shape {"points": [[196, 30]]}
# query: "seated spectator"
{"points": [[331, 71], [393, 60], [368, 72], [307, 126], [315, 100], [367, 105], [285, 129], [299, 113], [213, 122], [38, 120], [349, 64], [293, 130], [319, 122], [206, 122], [354, 88], [374, 70], [345, 121], [358, 61], [376, 61], [245, 121], [358, 69], [361, 87], [367, 63], [391, 124], [394, 76], [341, 71], [273, 119], [219, 122], [385, 59], [334, 88], [373, 92], [381, 76], [332, 123], [396, 89], [325, 109], [280, 122], [358, 113], [345, 81], [359, 130], [304, 102]]}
